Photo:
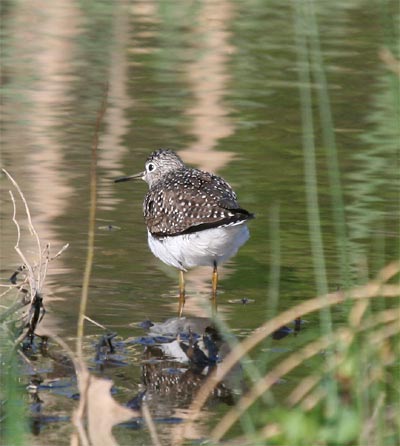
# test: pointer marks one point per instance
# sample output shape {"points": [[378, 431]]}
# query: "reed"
{"points": [[350, 394]]}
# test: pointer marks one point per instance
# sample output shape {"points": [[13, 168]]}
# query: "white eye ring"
{"points": [[151, 167]]}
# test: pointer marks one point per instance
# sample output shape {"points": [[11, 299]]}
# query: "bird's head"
{"points": [[158, 164]]}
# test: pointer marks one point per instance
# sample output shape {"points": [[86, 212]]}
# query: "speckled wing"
{"points": [[190, 200]]}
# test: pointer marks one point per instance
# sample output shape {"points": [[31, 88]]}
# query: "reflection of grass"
{"points": [[362, 375], [379, 162], [349, 393]]}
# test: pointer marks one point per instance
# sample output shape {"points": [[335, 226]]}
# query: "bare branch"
{"points": [[31, 276], [31, 227], [43, 270], [34, 274], [87, 318], [60, 251]]}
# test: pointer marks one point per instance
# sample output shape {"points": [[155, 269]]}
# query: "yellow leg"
{"points": [[214, 288], [181, 293]]}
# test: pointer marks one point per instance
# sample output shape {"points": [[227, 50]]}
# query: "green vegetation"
{"points": [[341, 374], [13, 409], [349, 394]]}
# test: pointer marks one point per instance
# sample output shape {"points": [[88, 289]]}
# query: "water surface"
{"points": [[218, 82]]}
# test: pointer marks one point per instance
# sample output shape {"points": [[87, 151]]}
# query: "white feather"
{"points": [[201, 248]]}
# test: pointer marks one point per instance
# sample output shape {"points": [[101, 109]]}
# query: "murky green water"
{"points": [[217, 81]]}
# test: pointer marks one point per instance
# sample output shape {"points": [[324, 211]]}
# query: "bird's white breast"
{"points": [[201, 248]]}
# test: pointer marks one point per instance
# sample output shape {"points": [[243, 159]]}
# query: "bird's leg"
{"points": [[214, 288], [181, 293]]}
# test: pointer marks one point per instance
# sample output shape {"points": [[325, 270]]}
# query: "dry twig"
{"points": [[344, 336], [35, 274], [374, 288]]}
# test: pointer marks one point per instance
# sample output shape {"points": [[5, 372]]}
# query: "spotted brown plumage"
{"points": [[187, 200]]}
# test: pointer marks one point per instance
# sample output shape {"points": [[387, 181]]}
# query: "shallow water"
{"points": [[217, 82]]}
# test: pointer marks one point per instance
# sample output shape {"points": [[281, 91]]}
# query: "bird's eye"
{"points": [[151, 167]]}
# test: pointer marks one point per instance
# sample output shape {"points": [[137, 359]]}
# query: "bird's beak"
{"points": [[137, 176]]}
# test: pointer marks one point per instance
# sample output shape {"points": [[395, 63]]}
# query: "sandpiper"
{"points": [[192, 217]]}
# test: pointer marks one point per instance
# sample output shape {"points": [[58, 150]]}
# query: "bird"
{"points": [[193, 217]]}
